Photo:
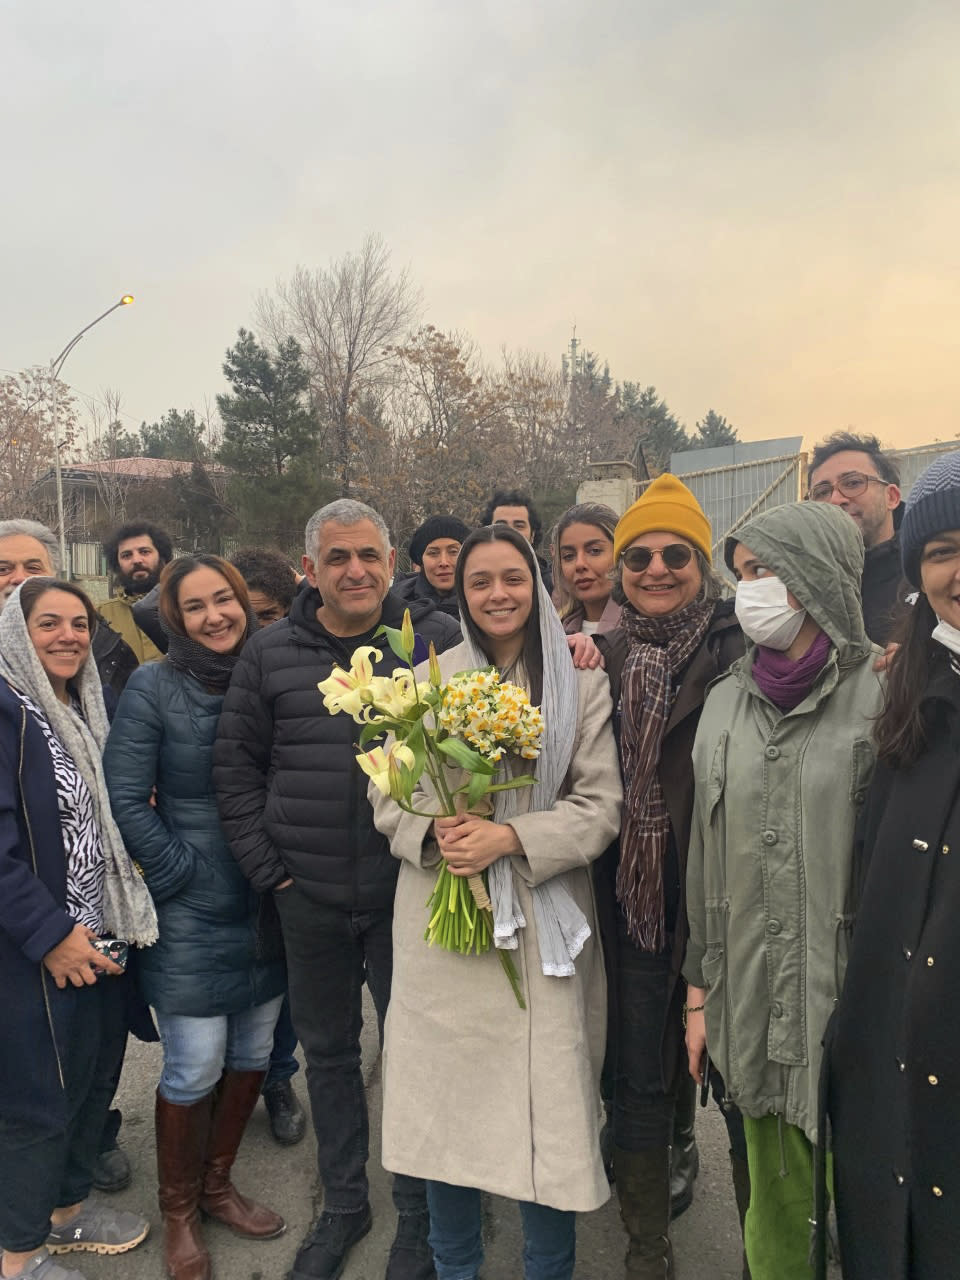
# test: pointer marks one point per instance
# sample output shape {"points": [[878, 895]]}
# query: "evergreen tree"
{"points": [[176, 435], [650, 426], [266, 421], [713, 430]]}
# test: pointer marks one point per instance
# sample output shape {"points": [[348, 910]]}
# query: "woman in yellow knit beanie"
{"points": [[675, 636]]}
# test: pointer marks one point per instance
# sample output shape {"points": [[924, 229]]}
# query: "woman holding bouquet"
{"points": [[479, 1094]]}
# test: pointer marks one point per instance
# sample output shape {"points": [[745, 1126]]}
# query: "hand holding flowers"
{"points": [[469, 844], [470, 724]]}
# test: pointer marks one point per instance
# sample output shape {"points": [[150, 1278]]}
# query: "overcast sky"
{"points": [[755, 206]]}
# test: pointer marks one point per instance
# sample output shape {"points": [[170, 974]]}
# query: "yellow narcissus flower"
{"points": [[349, 690], [376, 763]]}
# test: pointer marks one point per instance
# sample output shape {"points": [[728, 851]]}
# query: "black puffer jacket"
{"points": [[292, 801]]}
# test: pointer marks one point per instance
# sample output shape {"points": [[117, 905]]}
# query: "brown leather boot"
{"points": [[643, 1186], [235, 1098], [182, 1133]]}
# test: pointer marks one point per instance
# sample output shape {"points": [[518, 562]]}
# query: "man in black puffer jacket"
{"points": [[294, 806]]}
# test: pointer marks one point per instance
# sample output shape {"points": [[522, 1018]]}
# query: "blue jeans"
{"points": [[549, 1236], [283, 1064], [196, 1051]]}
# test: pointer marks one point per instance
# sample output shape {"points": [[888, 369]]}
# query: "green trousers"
{"points": [[777, 1231]]}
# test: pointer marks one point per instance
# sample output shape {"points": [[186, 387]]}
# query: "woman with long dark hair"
{"points": [[581, 549], [216, 976], [67, 888], [511, 1103], [894, 1059]]}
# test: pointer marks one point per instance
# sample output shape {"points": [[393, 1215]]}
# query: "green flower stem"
{"points": [[458, 923], [506, 961]]}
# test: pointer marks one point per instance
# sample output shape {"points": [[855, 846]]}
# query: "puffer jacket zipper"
{"points": [[36, 872]]}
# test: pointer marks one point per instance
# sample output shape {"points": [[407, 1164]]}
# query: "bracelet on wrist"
{"points": [[691, 1008]]}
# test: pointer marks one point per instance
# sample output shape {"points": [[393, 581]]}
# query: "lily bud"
{"points": [[395, 777], [407, 637], [436, 679]]}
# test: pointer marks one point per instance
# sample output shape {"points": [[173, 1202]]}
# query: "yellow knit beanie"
{"points": [[666, 506]]}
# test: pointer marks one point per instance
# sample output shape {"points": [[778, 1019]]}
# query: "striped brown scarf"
{"points": [[660, 649]]}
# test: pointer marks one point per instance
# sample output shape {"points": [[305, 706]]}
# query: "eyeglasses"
{"points": [[851, 484], [675, 556]]}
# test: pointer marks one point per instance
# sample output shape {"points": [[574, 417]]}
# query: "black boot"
{"points": [[741, 1189], [288, 1120], [411, 1257], [684, 1156], [643, 1186]]}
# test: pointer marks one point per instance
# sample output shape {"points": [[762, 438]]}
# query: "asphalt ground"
{"points": [[706, 1238]]}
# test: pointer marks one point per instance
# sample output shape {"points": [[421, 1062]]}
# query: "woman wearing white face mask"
{"points": [[783, 757], [896, 1045]]}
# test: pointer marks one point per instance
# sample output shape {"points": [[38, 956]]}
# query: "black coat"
{"points": [[722, 645], [116, 661], [292, 800], [884, 589], [892, 1073], [416, 587], [38, 1018]]}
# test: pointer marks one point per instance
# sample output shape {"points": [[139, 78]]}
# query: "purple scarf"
{"points": [[785, 681]]}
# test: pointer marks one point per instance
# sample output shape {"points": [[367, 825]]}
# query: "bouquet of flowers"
{"points": [[470, 723]]}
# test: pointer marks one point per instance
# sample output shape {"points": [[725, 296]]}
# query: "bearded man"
{"points": [[136, 554]]}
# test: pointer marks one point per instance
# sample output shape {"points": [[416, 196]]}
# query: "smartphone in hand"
{"points": [[114, 949]]}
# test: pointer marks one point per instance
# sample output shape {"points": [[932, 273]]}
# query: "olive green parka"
{"points": [[769, 867]]}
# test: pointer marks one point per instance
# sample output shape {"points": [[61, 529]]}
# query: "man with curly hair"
{"points": [[136, 554]]}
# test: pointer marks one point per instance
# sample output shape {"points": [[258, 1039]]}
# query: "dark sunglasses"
{"points": [[851, 484], [675, 556]]}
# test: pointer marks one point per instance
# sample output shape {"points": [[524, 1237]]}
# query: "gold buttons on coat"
{"points": [[932, 1080], [921, 846], [945, 849], [929, 962], [937, 1192]]}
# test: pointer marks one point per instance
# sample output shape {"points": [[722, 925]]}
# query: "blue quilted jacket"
{"points": [[219, 950]]}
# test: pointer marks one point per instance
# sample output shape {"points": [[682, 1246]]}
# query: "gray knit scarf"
{"points": [[128, 910], [562, 928]]}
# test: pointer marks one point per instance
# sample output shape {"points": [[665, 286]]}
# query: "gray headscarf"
{"points": [[562, 928], [128, 910]]}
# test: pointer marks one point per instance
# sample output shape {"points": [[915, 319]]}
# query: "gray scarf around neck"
{"points": [[562, 928], [128, 910]]}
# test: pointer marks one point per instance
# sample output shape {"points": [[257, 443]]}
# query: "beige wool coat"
{"points": [[478, 1092]]}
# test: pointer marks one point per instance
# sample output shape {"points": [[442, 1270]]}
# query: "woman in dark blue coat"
{"points": [[66, 883], [216, 977]]}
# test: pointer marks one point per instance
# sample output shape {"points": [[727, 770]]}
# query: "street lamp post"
{"points": [[56, 364]]}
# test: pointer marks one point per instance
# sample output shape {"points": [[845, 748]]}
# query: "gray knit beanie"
{"points": [[433, 528], [934, 507]]}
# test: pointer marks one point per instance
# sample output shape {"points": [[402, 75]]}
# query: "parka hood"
{"points": [[817, 551]]}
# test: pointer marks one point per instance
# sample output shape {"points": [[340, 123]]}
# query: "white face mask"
{"points": [[947, 635], [766, 615]]}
